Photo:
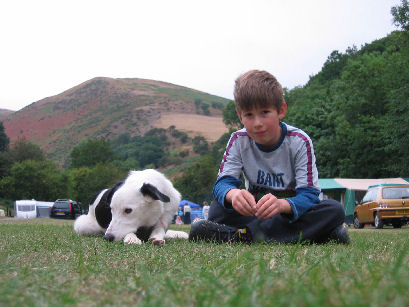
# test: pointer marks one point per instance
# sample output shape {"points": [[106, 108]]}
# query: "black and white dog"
{"points": [[139, 209]]}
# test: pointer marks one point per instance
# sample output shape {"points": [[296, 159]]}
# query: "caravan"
{"points": [[28, 209], [25, 209]]}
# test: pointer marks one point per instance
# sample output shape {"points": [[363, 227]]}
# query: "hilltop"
{"points": [[106, 107], [4, 113]]}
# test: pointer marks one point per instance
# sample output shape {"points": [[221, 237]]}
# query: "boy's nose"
{"points": [[258, 121]]}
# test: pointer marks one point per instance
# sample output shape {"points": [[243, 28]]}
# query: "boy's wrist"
{"points": [[229, 195], [285, 207]]}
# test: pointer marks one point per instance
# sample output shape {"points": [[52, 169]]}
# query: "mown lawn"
{"points": [[44, 263]]}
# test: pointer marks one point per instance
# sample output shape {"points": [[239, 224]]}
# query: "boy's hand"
{"points": [[269, 205], [242, 201]]}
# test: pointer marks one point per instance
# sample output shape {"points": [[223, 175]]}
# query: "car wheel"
{"points": [[357, 224], [378, 222]]}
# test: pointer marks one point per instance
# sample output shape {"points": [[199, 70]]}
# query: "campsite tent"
{"points": [[44, 208], [196, 210], [350, 191]]}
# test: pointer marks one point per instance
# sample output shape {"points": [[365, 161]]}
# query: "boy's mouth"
{"points": [[259, 132]]}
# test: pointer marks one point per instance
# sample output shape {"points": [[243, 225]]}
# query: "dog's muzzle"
{"points": [[109, 237]]}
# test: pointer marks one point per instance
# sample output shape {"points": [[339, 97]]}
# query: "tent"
{"points": [[350, 191], [44, 208], [196, 209]]}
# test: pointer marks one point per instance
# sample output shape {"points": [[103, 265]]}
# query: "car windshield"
{"points": [[370, 195], [61, 205], [394, 193]]}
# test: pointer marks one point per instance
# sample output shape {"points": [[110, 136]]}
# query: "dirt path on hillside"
{"points": [[211, 128]]}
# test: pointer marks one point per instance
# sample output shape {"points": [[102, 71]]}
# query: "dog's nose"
{"points": [[109, 237]]}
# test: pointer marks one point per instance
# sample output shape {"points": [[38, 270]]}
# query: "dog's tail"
{"points": [[87, 225], [174, 234]]}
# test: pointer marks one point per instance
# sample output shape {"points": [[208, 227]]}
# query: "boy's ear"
{"points": [[283, 110]]}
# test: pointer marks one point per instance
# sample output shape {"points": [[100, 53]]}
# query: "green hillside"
{"points": [[356, 110]]}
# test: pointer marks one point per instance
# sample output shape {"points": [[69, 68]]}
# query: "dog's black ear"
{"points": [[149, 190]]}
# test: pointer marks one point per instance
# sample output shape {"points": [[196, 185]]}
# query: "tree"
{"points": [[25, 150], [401, 15], [197, 181], [397, 112], [31, 179], [332, 67], [230, 118], [5, 164], [91, 152], [87, 182], [4, 140], [356, 109], [150, 153], [200, 145]]}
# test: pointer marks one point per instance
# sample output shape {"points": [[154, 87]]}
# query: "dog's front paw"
{"points": [[158, 242], [131, 238]]}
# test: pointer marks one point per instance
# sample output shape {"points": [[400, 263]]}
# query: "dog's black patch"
{"points": [[149, 190], [103, 210], [144, 232]]}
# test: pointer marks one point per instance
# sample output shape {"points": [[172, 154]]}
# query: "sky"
{"points": [[47, 47]]}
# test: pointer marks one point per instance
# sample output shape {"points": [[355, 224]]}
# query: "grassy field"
{"points": [[44, 263]]}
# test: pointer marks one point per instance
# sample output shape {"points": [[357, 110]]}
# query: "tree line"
{"points": [[26, 173], [356, 110]]}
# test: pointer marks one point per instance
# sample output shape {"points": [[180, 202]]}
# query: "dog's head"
{"points": [[132, 208]]}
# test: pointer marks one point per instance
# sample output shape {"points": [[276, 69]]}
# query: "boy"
{"points": [[280, 203]]}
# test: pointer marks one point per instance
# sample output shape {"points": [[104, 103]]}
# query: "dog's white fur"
{"points": [[131, 209]]}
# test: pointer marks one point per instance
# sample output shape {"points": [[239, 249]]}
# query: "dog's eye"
{"points": [[128, 210]]}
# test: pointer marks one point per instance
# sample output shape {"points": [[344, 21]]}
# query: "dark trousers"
{"points": [[186, 218], [313, 226]]}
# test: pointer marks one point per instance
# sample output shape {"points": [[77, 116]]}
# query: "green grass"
{"points": [[44, 263]]}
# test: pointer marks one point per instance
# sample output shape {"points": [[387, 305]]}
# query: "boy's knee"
{"points": [[335, 208], [216, 212]]}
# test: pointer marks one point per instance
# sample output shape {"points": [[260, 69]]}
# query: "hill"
{"points": [[106, 107], [4, 113]]}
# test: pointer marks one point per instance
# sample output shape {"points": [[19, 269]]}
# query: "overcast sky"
{"points": [[48, 47]]}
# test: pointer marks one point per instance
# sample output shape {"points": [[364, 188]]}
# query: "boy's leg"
{"points": [[316, 225], [223, 225], [320, 224]]}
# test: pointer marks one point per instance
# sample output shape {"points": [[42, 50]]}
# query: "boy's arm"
{"points": [[306, 175], [306, 198], [227, 192], [222, 186]]}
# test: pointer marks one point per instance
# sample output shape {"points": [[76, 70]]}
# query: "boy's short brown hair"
{"points": [[257, 88]]}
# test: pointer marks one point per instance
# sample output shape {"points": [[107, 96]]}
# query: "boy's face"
{"points": [[263, 124]]}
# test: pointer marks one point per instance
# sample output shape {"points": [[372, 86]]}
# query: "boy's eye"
{"points": [[128, 210]]}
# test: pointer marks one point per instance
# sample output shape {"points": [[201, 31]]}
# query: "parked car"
{"points": [[383, 204], [66, 208]]}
